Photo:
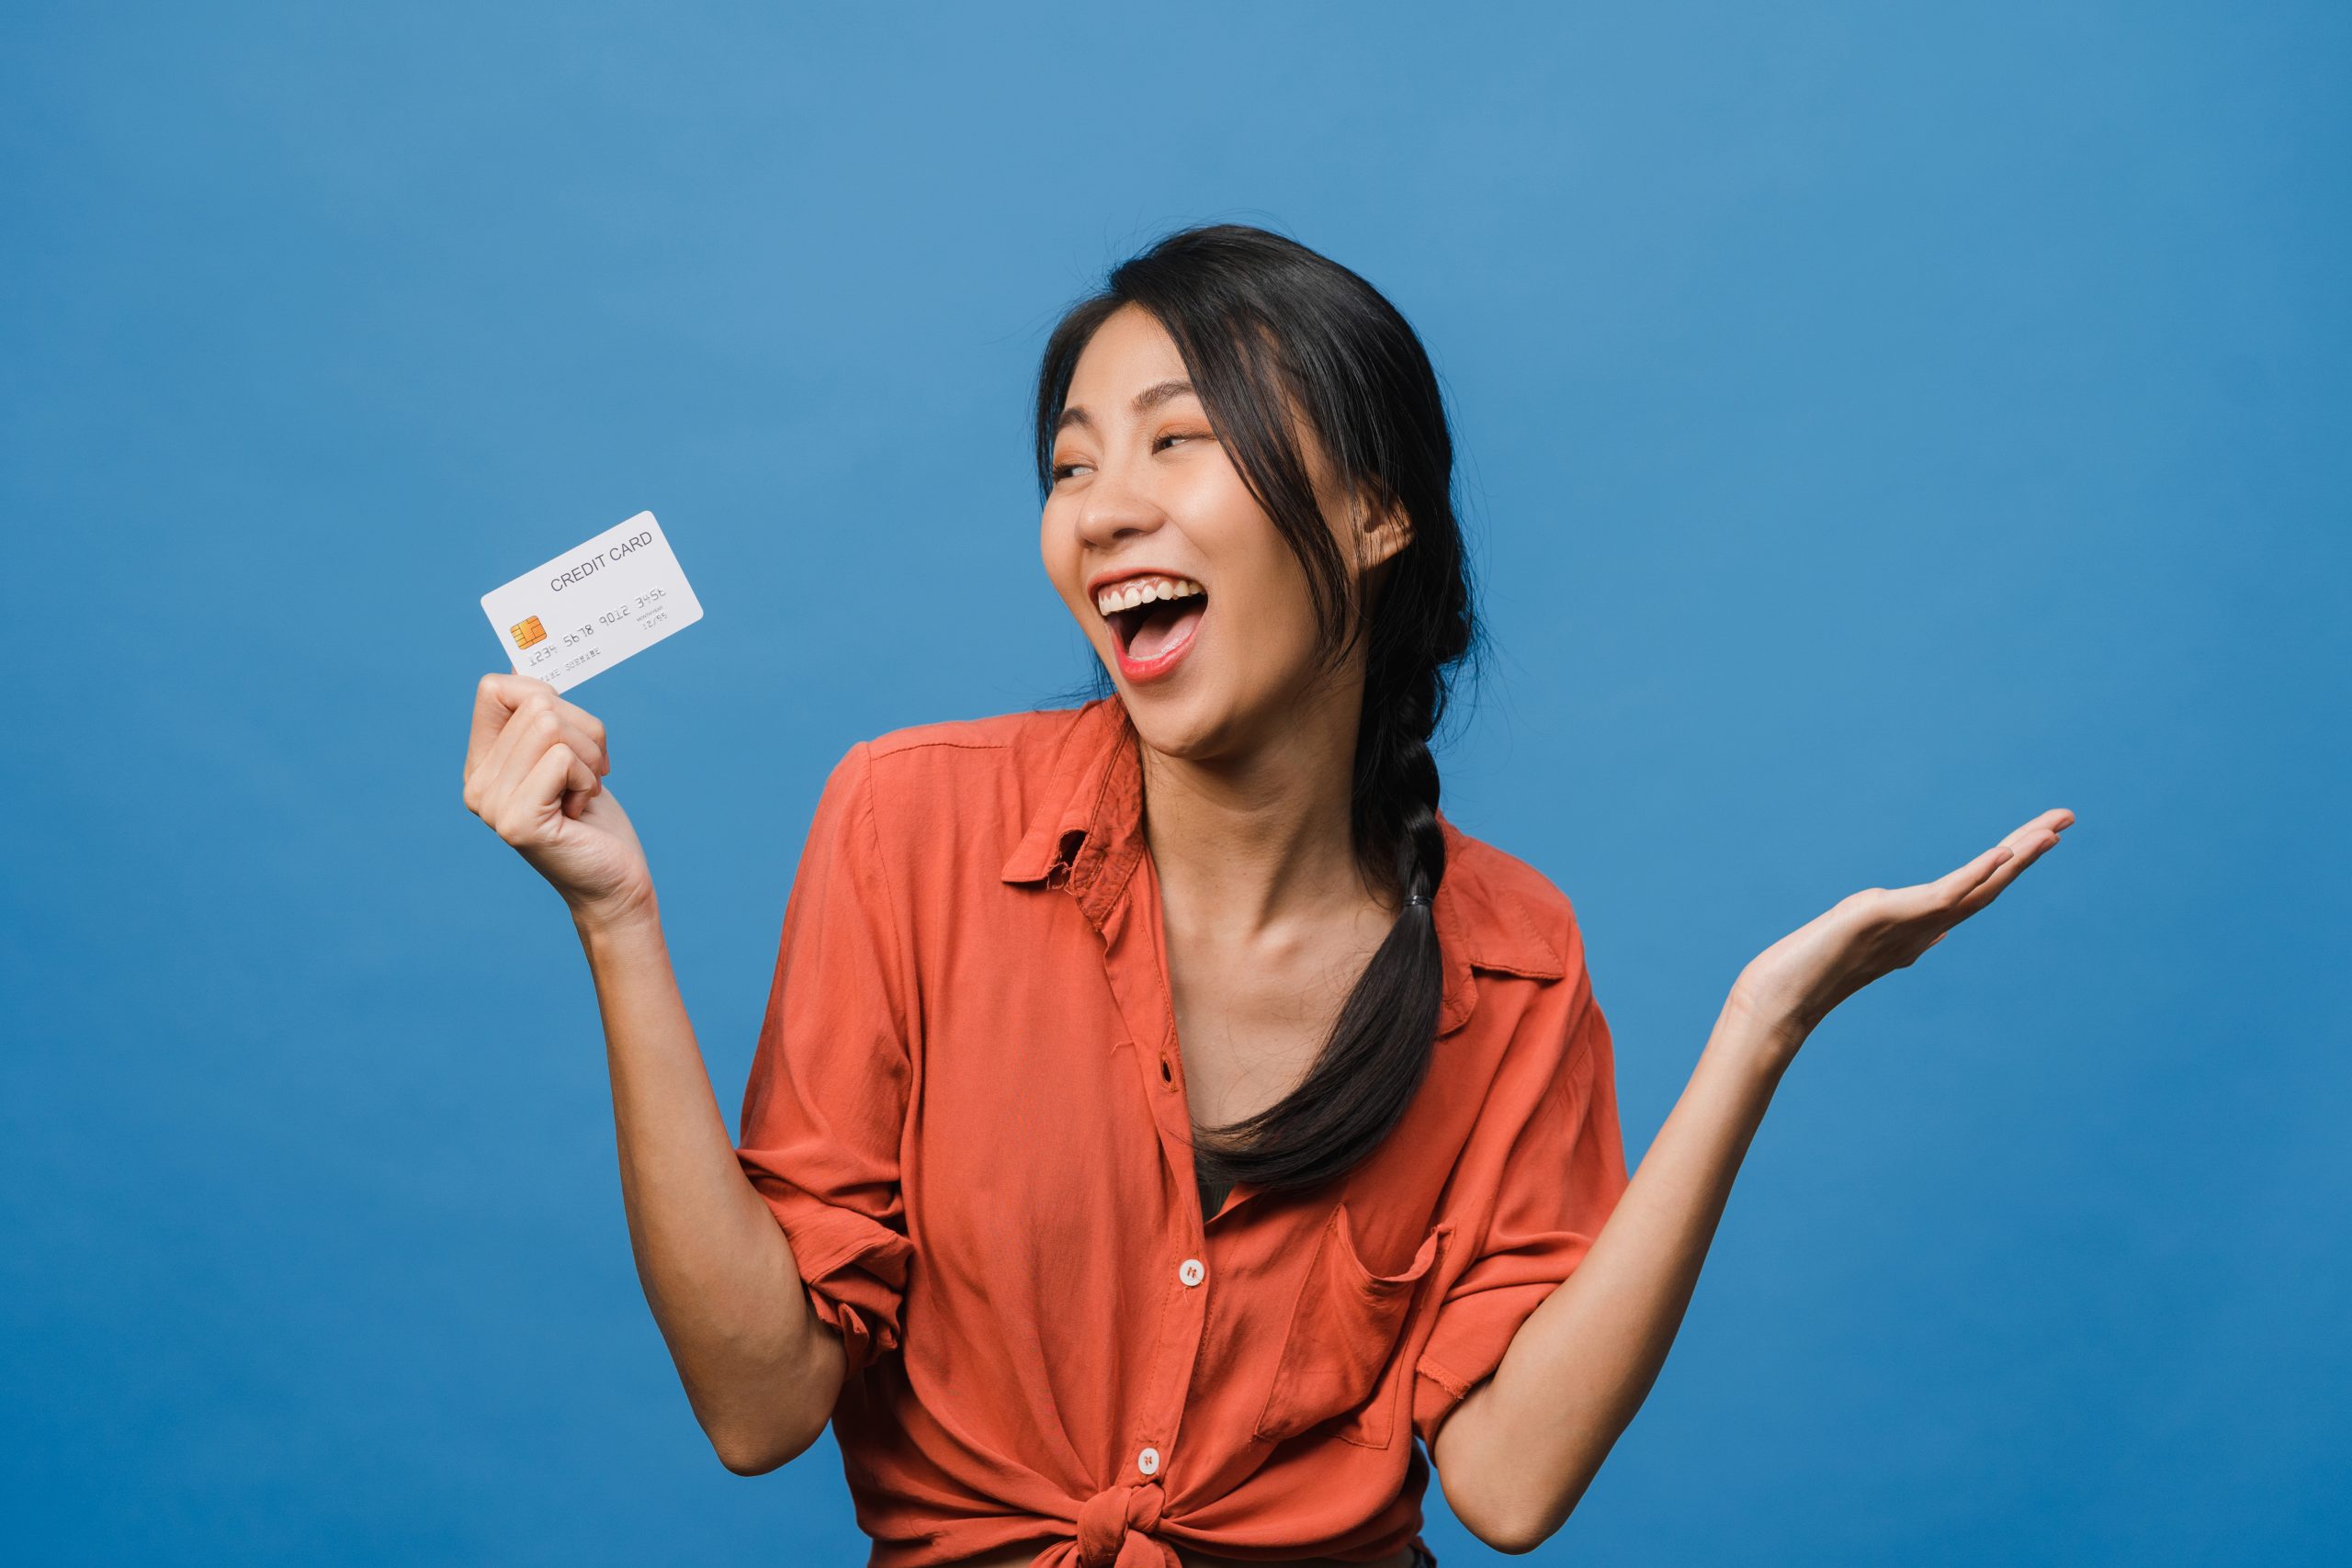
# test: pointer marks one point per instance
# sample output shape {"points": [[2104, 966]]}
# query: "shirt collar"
{"points": [[1093, 790], [1086, 834]]}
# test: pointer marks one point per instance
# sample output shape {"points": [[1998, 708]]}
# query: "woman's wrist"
{"points": [[1755, 1029], [618, 922]]}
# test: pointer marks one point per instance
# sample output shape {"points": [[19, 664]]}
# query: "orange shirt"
{"points": [[966, 1109]]}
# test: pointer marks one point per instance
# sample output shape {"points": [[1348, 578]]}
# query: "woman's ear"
{"points": [[1385, 529]]}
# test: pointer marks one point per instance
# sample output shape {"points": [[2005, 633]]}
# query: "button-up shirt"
{"points": [[966, 1109]]}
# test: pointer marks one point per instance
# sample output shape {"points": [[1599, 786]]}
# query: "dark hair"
{"points": [[1265, 324]]}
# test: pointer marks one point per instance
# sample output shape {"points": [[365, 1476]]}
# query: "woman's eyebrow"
{"points": [[1150, 397]]}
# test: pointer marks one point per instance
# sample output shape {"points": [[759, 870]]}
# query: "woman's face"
{"points": [[1177, 576]]}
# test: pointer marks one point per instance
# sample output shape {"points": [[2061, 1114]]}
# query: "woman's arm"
{"points": [[1517, 1454], [718, 1271]]}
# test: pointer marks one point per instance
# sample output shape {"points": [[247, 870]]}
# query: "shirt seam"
{"points": [[957, 743], [1446, 1377], [901, 957], [1582, 1037]]}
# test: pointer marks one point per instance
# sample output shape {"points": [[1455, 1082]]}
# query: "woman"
{"points": [[1163, 1115]]}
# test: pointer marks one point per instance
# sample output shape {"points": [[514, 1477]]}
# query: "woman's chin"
{"points": [[1175, 721]]}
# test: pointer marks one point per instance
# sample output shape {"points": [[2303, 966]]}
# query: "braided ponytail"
{"points": [[1264, 323]]}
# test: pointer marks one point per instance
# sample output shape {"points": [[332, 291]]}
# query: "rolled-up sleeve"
{"points": [[826, 1104], [1560, 1183]]}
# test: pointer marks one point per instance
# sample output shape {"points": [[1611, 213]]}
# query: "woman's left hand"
{"points": [[1789, 988]]}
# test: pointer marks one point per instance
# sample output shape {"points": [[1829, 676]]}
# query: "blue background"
{"points": [[1879, 423]]}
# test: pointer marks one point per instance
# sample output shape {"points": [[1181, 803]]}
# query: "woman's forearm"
{"points": [[1518, 1453], [717, 1270]]}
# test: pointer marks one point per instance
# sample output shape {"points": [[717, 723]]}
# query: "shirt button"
{"points": [[1191, 1272], [1148, 1461]]}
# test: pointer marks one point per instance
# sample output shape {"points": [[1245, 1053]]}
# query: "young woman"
{"points": [[1169, 1134]]}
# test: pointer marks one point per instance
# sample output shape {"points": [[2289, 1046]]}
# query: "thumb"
{"points": [[582, 785]]}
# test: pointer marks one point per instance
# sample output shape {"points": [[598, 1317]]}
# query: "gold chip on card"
{"points": [[529, 631]]}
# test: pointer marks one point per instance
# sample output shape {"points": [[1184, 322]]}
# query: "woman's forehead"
{"points": [[1129, 352]]}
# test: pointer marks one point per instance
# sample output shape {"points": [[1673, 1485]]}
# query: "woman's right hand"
{"points": [[535, 771]]}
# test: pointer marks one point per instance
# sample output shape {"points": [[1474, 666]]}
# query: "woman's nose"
{"points": [[1113, 509]]}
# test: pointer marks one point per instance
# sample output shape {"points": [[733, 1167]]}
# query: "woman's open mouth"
{"points": [[1153, 622]]}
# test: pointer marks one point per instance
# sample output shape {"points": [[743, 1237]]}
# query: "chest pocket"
{"points": [[1342, 1336]]}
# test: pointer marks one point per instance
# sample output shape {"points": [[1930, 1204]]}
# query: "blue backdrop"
{"points": [[1880, 423]]}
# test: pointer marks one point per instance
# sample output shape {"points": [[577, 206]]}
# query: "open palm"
{"points": [[1794, 984]]}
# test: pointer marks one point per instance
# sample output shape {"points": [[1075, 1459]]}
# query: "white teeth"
{"points": [[1143, 591]]}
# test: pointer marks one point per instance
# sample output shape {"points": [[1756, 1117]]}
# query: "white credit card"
{"points": [[591, 607]]}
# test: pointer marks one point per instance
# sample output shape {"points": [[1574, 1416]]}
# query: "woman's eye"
{"points": [[1061, 471]]}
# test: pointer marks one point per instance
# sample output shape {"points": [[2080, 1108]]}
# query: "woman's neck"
{"points": [[1256, 841]]}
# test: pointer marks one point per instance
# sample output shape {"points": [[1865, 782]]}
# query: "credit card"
{"points": [[589, 608]]}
